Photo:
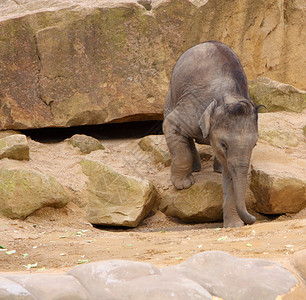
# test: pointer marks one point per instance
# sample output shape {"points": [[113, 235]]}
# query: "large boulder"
{"points": [[115, 199], [277, 193], [202, 202], [22, 192], [277, 96], [15, 147], [93, 62], [278, 178]]}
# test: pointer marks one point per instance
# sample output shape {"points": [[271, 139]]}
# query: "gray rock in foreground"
{"points": [[299, 261], [162, 287], [204, 275], [101, 279], [47, 286], [230, 277]]}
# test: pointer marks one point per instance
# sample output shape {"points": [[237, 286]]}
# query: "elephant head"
{"points": [[232, 131]]}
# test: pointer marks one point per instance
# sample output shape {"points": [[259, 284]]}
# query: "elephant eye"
{"points": [[224, 146]]}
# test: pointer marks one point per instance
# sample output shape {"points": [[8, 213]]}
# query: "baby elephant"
{"points": [[208, 101]]}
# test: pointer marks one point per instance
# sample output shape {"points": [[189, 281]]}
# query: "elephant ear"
{"points": [[204, 121]]}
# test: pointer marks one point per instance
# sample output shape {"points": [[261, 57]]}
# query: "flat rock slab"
{"points": [[203, 276]]}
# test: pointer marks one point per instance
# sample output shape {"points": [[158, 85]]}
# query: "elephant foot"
{"points": [[233, 223], [184, 183]]}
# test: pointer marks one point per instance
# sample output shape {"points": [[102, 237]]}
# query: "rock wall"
{"points": [[73, 62]]}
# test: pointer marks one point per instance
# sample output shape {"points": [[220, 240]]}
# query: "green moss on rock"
{"points": [[277, 96], [24, 191]]}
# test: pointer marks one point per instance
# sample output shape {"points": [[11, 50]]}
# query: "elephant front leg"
{"points": [[181, 164], [230, 215], [181, 161]]}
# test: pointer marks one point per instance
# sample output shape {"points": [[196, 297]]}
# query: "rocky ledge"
{"points": [[94, 62]]}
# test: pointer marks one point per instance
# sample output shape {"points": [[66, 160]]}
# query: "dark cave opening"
{"points": [[126, 130]]}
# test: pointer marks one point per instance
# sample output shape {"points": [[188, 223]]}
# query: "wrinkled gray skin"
{"points": [[208, 101]]}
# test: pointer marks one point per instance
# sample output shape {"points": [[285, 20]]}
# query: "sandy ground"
{"points": [[54, 240], [61, 239]]}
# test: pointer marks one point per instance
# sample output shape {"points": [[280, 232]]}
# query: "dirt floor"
{"points": [[54, 240]]}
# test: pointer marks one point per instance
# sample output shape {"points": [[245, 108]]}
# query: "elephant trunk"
{"points": [[239, 177]]}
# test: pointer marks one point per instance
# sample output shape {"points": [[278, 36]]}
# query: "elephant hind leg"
{"points": [[196, 160]]}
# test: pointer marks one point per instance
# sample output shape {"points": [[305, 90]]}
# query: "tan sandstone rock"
{"points": [[24, 191], [277, 194], [6, 133], [14, 147], [282, 129], [156, 144], [202, 202], [94, 62], [277, 96], [278, 178], [115, 199]]}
